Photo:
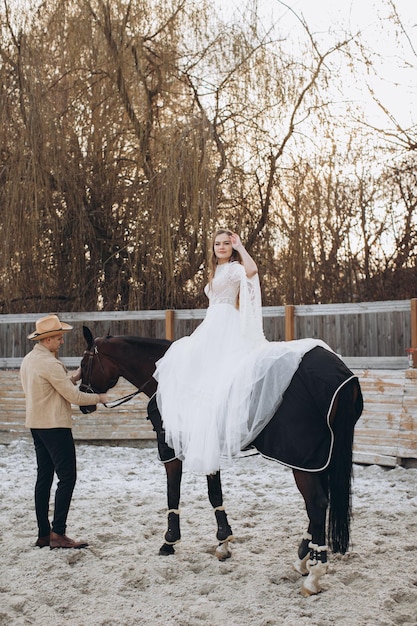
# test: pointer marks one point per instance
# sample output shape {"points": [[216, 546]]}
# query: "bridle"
{"points": [[88, 387]]}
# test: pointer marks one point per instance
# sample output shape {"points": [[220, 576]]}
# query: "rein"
{"points": [[88, 388], [123, 399]]}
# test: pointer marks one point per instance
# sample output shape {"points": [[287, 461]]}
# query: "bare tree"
{"points": [[131, 129]]}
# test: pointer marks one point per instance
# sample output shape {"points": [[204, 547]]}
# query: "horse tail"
{"points": [[340, 469]]}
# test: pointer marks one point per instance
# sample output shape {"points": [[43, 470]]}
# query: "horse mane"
{"points": [[134, 340], [144, 340]]}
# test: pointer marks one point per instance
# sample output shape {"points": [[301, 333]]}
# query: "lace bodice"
{"points": [[224, 288], [229, 282]]}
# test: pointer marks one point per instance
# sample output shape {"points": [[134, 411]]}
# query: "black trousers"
{"points": [[55, 453]]}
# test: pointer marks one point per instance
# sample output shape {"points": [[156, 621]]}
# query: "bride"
{"points": [[218, 387]]}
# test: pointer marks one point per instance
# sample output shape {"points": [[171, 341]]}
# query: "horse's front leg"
{"points": [[312, 551], [173, 469], [224, 532], [173, 535]]}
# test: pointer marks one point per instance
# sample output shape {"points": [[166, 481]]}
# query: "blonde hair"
{"points": [[213, 259]]}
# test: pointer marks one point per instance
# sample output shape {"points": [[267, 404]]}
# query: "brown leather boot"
{"points": [[42, 542], [62, 541]]}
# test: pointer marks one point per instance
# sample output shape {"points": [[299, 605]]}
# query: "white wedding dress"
{"points": [[218, 387]]}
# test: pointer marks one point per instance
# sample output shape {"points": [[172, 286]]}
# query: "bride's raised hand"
{"points": [[235, 241]]}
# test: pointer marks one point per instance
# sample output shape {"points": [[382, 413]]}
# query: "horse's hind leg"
{"points": [[312, 487], [224, 532], [312, 551], [173, 535]]}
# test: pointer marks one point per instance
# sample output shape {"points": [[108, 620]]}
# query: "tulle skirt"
{"points": [[218, 389]]}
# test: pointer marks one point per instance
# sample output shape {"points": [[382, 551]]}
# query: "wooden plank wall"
{"points": [[367, 329], [353, 329], [14, 330], [386, 434], [126, 424]]}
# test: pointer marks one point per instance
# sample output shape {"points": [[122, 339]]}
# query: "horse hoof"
{"points": [[306, 592], [222, 551], [166, 550]]}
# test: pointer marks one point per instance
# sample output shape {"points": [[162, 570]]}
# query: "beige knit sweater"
{"points": [[49, 391]]}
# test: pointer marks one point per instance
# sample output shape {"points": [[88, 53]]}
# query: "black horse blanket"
{"points": [[299, 434]]}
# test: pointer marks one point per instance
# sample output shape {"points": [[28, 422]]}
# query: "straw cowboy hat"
{"points": [[48, 327]]}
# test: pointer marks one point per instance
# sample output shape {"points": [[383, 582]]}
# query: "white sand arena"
{"points": [[119, 506]]}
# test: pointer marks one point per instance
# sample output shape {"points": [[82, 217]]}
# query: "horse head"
{"points": [[98, 372]]}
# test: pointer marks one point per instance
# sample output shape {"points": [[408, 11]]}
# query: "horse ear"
{"points": [[88, 336]]}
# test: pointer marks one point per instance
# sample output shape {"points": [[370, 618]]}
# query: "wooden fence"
{"points": [[361, 330], [372, 338]]}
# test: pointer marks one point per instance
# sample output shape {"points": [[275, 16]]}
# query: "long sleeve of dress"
{"points": [[250, 306]]}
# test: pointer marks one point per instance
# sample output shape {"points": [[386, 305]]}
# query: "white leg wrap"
{"points": [[176, 511], [316, 570]]}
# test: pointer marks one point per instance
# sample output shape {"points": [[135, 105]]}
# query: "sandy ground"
{"points": [[119, 506]]}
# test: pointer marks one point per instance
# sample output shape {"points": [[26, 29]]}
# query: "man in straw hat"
{"points": [[49, 392]]}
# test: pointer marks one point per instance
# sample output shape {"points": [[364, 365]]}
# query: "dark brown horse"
{"points": [[311, 432]]}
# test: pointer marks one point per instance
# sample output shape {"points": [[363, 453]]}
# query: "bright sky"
{"points": [[396, 87], [396, 84]]}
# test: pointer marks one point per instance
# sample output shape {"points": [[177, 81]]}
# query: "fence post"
{"points": [[169, 325], [414, 330], [289, 322]]}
